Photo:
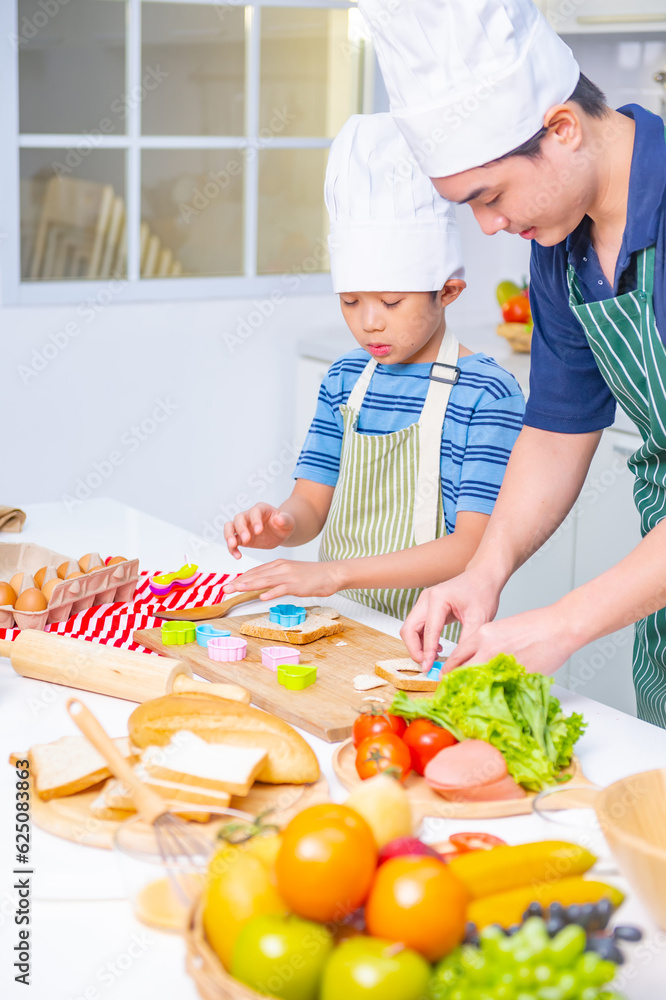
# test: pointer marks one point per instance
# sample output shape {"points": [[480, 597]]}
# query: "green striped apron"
{"points": [[388, 496], [623, 335]]}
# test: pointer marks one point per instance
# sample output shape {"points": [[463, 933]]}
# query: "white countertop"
{"points": [[85, 941]]}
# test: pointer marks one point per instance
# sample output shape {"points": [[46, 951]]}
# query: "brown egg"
{"points": [[15, 582], [71, 566], [7, 594], [39, 576], [115, 559], [31, 600], [73, 576], [49, 587], [91, 560]]}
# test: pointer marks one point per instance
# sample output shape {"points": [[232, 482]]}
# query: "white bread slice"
{"points": [[70, 764], [175, 791], [116, 797], [191, 761]]}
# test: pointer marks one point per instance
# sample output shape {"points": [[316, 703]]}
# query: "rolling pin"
{"points": [[120, 673]]}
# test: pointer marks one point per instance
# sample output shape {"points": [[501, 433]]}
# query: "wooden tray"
{"points": [[327, 708], [426, 802], [71, 819]]}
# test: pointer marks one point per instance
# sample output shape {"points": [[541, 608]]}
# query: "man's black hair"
{"points": [[590, 98]]}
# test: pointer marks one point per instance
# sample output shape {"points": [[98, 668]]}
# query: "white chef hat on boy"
{"points": [[390, 230], [468, 80]]}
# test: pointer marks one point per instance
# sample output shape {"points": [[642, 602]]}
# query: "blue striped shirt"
{"points": [[483, 419]]}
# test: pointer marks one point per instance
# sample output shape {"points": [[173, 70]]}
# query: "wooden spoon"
{"points": [[211, 611]]}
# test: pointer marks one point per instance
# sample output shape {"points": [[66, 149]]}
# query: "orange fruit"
{"points": [[418, 902], [326, 863]]}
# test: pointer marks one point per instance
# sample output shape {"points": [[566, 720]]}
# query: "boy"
{"points": [[403, 495]]}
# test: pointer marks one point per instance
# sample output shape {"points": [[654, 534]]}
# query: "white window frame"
{"points": [[16, 292]]}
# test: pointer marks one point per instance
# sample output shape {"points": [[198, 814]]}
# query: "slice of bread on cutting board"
{"points": [[318, 623], [290, 760], [177, 791], [190, 761], [404, 674], [70, 765]]}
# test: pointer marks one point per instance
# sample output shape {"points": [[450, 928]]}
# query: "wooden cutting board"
{"points": [[70, 817], [426, 802], [329, 706]]}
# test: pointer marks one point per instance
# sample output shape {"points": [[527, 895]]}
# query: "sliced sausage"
{"points": [[466, 765]]}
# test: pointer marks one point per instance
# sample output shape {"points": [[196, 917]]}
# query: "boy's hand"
{"points": [[261, 527], [301, 579]]}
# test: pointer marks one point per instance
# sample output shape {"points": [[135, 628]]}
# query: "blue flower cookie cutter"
{"points": [[287, 614], [206, 632]]}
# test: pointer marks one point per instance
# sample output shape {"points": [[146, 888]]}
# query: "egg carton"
{"points": [[101, 586]]}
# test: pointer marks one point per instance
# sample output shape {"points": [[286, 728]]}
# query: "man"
{"points": [[497, 114]]}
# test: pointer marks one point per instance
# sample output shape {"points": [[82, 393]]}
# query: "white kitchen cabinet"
{"points": [[597, 16]]}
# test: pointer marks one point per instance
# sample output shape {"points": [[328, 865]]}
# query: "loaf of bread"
{"points": [[290, 760]]}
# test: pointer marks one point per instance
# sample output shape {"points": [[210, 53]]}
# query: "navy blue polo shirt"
{"points": [[567, 391]]}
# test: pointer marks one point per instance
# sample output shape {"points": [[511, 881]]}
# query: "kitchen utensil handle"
{"points": [[232, 692], [6, 646], [242, 598], [148, 804]]}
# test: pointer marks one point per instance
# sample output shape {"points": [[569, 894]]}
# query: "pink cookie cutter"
{"points": [[227, 648], [275, 656]]}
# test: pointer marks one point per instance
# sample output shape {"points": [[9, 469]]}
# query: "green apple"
{"points": [[282, 956], [506, 290], [365, 968]]}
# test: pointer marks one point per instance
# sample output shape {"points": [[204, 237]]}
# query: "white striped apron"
{"points": [[388, 495], [631, 356]]}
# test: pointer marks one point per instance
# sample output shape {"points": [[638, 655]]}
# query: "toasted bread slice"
{"points": [[318, 623], [404, 674]]}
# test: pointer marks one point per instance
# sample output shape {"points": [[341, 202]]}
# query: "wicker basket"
{"points": [[211, 978], [518, 336]]}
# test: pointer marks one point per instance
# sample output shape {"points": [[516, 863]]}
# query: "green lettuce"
{"points": [[502, 704]]}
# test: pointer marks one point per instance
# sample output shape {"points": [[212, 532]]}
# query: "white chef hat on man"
{"points": [[468, 80], [390, 230]]}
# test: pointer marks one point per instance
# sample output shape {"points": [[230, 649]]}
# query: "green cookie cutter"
{"points": [[296, 676], [178, 633]]}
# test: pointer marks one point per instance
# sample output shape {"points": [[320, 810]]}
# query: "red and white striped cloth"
{"points": [[113, 624]]}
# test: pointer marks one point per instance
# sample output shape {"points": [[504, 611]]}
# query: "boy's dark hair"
{"points": [[434, 296], [591, 99]]}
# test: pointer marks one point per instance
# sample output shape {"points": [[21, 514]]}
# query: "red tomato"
{"points": [[373, 723], [377, 753], [516, 309], [425, 739], [476, 841]]}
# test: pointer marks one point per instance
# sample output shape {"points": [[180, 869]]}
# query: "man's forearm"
{"points": [[420, 566], [544, 476]]}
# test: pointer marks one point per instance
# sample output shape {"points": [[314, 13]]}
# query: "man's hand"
{"points": [[464, 599], [261, 527], [283, 576]]}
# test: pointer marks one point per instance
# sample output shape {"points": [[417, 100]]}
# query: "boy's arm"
{"points": [[419, 566], [299, 519]]}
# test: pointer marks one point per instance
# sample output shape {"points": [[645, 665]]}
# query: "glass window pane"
{"points": [[293, 222], [198, 54], [192, 212], [311, 70], [72, 214], [72, 66]]}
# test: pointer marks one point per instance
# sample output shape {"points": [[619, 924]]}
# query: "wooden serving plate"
{"points": [[70, 817], [426, 802]]}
